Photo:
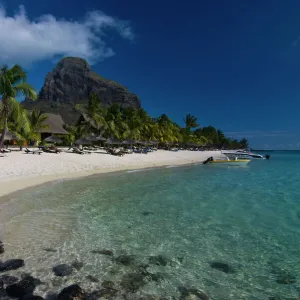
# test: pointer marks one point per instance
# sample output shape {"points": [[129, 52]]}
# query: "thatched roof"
{"points": [[53, 139], [82, 141], [54, 125], [11, 136]]}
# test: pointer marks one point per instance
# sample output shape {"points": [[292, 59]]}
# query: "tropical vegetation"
{"points": [[12, 84], [135, 124], [110, 122]]}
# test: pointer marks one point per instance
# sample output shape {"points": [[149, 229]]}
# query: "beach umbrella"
{"points": [[101, 138], [128, 142], [112, 141], [140, 142], [11, 136], [82, 141], [53, 139], [92, 138]]}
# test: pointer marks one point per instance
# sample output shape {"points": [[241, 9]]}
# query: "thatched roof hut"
{"points": [[54, 125]]}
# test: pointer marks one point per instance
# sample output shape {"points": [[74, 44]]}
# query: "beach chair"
{"points": [[27, 151], [77, 150], [5, 151]]}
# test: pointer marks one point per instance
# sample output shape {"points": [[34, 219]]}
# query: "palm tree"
{"points": [[94, 112], [190, 122], [36, 121], [12, 84]]}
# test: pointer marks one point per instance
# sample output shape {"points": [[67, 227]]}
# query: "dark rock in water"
{"points": [[50, 250], [72, 292], [180, 259], [78, 265], [125, 260], [103, 293], [286, 278], [108, 284], [187, 293], [32, 297], [24, 287], [158, 260], [36, 281], [62, 270], [147, 213], [7, 279], [157, 277], [103, 251], [1, 247], [223, 267], [71, 82], [51, 296], [92, 278], [132, 282], [12, 264], [142, 270]]}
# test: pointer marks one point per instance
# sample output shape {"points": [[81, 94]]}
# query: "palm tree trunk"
{"points": [[4, 131]]}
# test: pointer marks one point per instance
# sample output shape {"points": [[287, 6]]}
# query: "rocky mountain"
{"points": [[71, 82]]}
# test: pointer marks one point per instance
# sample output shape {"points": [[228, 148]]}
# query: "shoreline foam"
{"points": [[17, 168]]}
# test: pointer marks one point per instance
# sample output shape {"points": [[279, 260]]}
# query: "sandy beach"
{"points": [[20, 170]]}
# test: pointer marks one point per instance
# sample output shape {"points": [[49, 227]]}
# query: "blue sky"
{"points": [[234, 64]]}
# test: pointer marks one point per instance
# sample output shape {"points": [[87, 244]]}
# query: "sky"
{"points": [[233, 64]]}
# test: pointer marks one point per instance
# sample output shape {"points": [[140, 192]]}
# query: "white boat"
{"points": [[227, 161], [243, 154]]}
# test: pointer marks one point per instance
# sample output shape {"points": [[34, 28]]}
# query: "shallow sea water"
{"points": [[247, 217]]}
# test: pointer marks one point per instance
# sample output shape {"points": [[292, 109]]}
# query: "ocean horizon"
{"points": [[230, 232]]}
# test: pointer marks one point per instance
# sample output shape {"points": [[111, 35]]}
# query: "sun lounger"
{"points": [[5, 150], [116, 153], [78, 151], [39, 152]]}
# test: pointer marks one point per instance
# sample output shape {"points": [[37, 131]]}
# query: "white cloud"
{"points": [[26, 41]]}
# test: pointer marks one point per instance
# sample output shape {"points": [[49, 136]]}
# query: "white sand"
{"points": [[19, 170]]}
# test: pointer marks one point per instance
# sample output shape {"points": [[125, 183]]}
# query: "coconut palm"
{"points": [[36, 121], [190, 122], [12, 83], [94, 112]]}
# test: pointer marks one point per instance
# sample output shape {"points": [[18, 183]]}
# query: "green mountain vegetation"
{"points": [[124, 124]]}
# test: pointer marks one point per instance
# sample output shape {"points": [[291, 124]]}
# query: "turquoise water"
{"points": [[247, 217]]}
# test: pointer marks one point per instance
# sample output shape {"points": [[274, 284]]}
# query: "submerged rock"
{"points": [[62, 270], [158, 260], [50, 250], [108, 284], [72, 292], [24, 287], [286, 278], [1, 247], [125, 260], [103, 293], [12, 264], [132, 282], [187, 294], [147, 213], [78, 265], [157, 277], [7, 279], [103, 252], [223, 267]]}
